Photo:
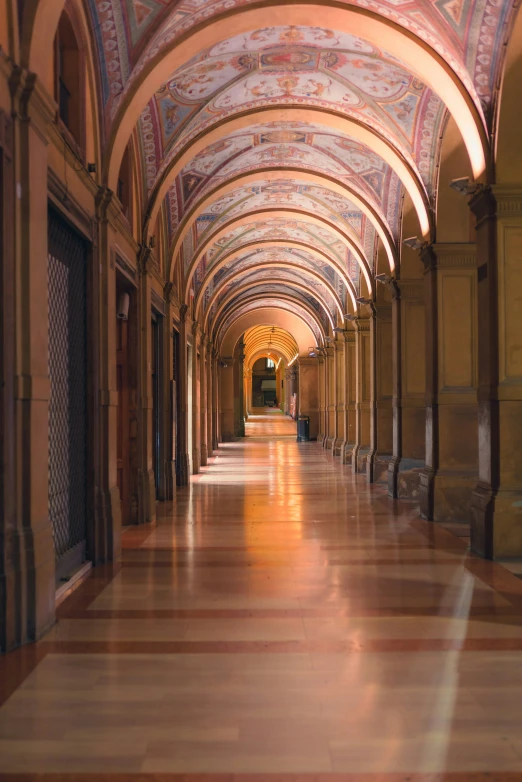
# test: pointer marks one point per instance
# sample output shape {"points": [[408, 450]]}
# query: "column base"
{"points": [[204, 454], [106, 540], [337, 444], [404, 478], [496, 523], [215, 445], [147, 497], [346, 452], [170, 481], [446, 495], [195, 461], [377, 468], [359, 456], [328, 443], [183, 470], [27, 596]]}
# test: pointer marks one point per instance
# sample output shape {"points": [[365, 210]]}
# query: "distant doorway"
{"points": [[264, 391]]}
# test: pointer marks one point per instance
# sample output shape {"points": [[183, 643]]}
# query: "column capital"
{"points": [[183, 310], [170, 294]]}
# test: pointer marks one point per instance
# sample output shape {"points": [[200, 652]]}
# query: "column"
{"points": [[169, 436], [195, 399], [308, 397], [323, 400], [496, 504], [216, 429], [349, 394], [383, 413], [329, 364], [451, 470], [146, 486], [210, 394], [363, 393], [239, 391], [203, 399], [182, 455], [337, 445], [226, 399], [409, 394]]}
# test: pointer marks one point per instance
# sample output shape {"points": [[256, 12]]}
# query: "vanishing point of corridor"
{"points": [[283, 617]]}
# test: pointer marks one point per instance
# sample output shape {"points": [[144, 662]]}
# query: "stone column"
{"points": [[496, 505], [146, 486], [226, 399], [383, 420], [203, 399], [216, 428], [338, 347], [195, 400], [210, 396], [169, 392], [450, 475], [363, 385], [408, 324], [329, 363], [182, 455], [322, 431], [27, 577], [349, 394], [239, 391], [308, 397]]}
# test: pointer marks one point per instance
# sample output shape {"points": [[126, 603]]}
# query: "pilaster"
{"points": [[363, 391], [203, 399], [496, 505], [349, 395], [196, 429], [409, 384], [382, 432], [210, 379], [182, 454], [169, 392], [450, 474], [146, 486]]}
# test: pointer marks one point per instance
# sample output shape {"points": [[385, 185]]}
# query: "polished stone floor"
{"points": [[283, 621]]}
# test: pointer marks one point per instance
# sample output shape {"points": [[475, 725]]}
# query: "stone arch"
{"points": [[420, 58], [300, 175]]}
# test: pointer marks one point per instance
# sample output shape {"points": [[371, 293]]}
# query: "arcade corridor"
{"points": [[282, 616]]}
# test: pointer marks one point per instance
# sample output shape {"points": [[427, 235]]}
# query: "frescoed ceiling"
{"points": [[279, 154]]}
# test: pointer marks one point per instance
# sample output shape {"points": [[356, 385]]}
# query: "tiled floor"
{"points": [[283, 621]]}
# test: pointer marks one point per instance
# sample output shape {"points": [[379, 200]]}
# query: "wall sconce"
{"points": [[414, 243], [463, 186], [122, 312]]}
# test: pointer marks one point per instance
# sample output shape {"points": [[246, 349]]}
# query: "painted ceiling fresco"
{"points": [[273, 303], [307, 299], [276, 230], [334, 77], [311, 148], [131, 33], [291, 277]]}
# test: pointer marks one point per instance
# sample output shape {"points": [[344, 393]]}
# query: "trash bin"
{"points": [[303, 428]]}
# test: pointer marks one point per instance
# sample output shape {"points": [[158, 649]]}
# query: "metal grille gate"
{"points": [[67, 406]]}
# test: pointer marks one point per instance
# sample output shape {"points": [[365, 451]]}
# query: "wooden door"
{"points": [[123, 444]]}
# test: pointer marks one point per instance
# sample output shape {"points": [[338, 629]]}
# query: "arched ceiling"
{"points": [[277, 156], [268, 340]]}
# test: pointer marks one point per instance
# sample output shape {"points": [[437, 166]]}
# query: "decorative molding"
{"points": [[412, 289], [124, 266], [69, 206], [170, 294], [157, 301], [509, 199], [454, 256]]}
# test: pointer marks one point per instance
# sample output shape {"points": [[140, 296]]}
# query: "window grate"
{"points": [[67, 405]]}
